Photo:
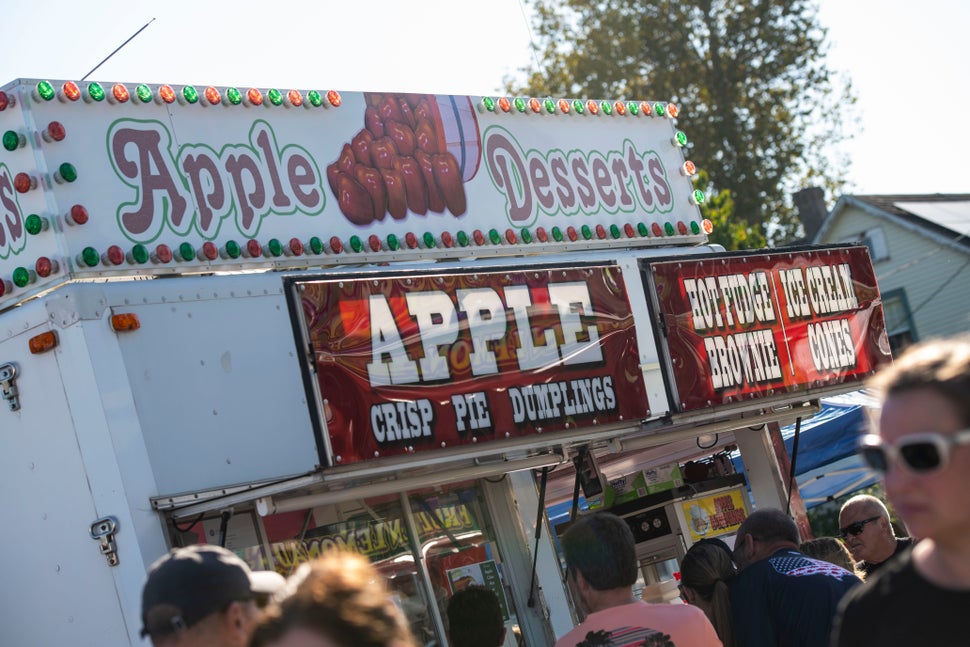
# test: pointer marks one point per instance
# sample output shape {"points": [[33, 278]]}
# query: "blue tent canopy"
{"points": [[827, 466]]}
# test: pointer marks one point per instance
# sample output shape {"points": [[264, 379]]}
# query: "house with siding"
{"points": [[920, 249]]}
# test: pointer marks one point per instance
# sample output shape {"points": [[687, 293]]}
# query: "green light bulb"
{"points": [[275, 247], [669, 228], [139, 253], [67, 171], [90, 256], [392, 242], [462, 238], [186, 251], [11, 140], [21, 277], [557, 234], [643, 230], [34, 224], [95, 91], [606, 107], [489, 103], [680, 138], [578, 106], [356, 243], [633, 107], [315, 99], [275, 97], [615, 231], [520, 104], [316, 245], [659, 109], [494, 237], [45, 90], [526, 236], [698, 196], [234, 96], [429, 240], [143, 92], [232, 249], [695, 228], [190, 94], [549, 105], [586, 231]]}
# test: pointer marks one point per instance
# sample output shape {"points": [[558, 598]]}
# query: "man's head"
{"points": [[761, 534], [475, 618], [201, 595], [864, 525], [600, 557]]}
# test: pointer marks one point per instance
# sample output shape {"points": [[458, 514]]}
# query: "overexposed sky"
{"points": [[907, 60]]}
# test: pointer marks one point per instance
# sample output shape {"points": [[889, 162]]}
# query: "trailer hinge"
{"points": [[8, 385], [103, 531]]}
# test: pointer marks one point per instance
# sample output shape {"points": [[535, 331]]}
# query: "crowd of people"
{"points": [[868, 587]]}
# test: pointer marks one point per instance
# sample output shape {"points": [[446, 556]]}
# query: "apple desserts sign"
{"points": [[414, 362], [746, 326]]}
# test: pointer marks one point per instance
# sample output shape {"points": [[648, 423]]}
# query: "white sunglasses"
{"points": [[921, 453]]}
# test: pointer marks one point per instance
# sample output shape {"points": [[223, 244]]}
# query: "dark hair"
{"points": [[601, 547], [769, 524], [339, 596], [940, 364], [707, 568], [475, 618]]}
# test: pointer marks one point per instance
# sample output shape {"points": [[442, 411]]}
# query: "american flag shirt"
{"points": [[795, 565]]}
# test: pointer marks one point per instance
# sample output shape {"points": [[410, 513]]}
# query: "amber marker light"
{"points": [[212, 96], [294, 98], [254, 97], [120, 93], [43, 342], [125, 322], [70, 91], [333, 97], [166, 93]]}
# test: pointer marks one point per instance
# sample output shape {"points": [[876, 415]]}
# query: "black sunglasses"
{"points": [[921, 453], [857, 527]]}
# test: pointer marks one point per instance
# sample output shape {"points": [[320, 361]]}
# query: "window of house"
{"points": [[899, 320], [875, 240]]}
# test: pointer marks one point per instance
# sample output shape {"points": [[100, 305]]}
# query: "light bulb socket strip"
{"points": [[587, 107], [206, 256], [206, 96]]}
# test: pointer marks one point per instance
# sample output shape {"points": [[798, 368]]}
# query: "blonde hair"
{"points": [[831, 550], [340, 596]]}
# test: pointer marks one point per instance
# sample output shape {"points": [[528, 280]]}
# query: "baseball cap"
{"points": [[187, 584]]}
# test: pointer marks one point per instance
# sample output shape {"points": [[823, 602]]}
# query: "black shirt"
{"points": [[898, 606], [902, 543]]}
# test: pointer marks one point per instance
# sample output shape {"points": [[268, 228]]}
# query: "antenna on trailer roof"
{"points": [[130, 38]]}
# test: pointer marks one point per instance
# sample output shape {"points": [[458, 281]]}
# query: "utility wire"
{"points": [[104, 60]]}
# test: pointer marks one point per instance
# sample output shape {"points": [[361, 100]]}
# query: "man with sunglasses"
{"points": [[868, 534], [922, 449]]}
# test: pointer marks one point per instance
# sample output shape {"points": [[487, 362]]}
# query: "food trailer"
{"points": [[287, 321]]}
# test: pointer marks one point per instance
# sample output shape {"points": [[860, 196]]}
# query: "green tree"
{"points": [[749, 78]]}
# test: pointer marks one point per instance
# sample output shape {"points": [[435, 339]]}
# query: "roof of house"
{"points": [[943, 214]]}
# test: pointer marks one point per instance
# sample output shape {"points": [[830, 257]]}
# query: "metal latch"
{"points": [[103, 530], [8, 386]]}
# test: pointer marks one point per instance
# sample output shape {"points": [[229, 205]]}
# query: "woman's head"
{"points": [[338, 600], [705, 572], [922, 445], [704, 566]]}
